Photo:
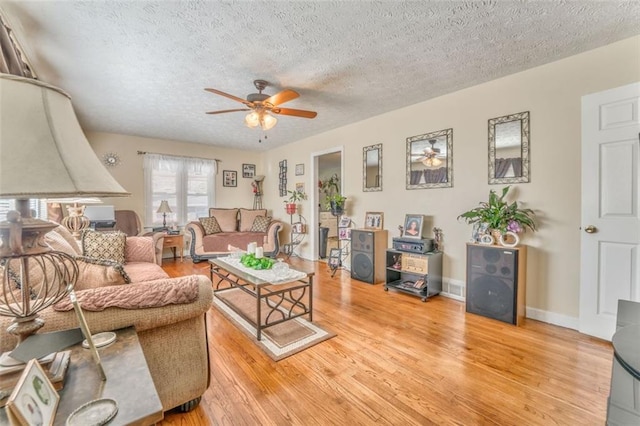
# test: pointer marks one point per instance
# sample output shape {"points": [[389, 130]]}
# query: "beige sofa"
{"points": [[180, 372], [235, 227]]}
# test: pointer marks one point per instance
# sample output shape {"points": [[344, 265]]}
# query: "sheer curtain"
{"points": [[188, 184]]}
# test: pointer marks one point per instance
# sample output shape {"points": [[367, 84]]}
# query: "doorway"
{"points": [[324, 165], [610, 249]]}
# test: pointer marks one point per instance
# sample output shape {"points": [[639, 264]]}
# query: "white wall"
{"points": [[552, 93], [130, 173]]}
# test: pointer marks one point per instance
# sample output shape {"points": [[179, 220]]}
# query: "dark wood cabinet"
{"points": [[418, 274]]}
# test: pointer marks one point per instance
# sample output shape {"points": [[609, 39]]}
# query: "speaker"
{"points": [[495, 282], [367, 254]]}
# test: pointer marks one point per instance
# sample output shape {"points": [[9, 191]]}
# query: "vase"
{"points": [[336, 210], [497, 235]]}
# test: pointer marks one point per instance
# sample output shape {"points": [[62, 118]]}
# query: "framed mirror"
{"points": [[509, 149], [372, 168], [430, 160]]}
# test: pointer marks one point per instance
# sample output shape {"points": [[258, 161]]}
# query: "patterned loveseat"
{"points": [[212, 236]]}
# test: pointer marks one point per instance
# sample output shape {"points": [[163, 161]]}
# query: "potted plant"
{"points": [[291, 202], [499, 216], [333, 200]]}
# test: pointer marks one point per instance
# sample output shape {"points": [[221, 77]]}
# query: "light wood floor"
{"points": [[398, 361]]}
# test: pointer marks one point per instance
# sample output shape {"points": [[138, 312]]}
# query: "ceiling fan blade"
{"points": [[279, 98], [228, 110], [226, 95], [295, 112]]}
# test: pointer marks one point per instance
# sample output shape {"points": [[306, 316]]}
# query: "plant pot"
{"points": [[496, 234], [290, 208], [336, 210]]}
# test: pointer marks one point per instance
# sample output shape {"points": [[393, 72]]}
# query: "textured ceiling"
{"points": [[140, 67]]}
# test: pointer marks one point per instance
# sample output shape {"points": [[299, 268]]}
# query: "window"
{"points": [[38, 208], [186, 183]]}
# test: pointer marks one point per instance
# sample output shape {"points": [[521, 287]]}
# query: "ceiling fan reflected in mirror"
{"points": [[430, 155], [263, 106]]}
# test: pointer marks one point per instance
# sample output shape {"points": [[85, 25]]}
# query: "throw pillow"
{"points": [[261, 224], [94, 273], [248, 216], [104, 245], [227, 219], [210, 225]]}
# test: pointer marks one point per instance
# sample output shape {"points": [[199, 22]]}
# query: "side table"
{"points": [[129, 383], [174, 242]]}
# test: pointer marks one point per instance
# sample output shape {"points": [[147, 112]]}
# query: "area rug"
{"points": [[279, 341]]}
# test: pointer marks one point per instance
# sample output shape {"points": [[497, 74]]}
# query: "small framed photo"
{"points": [[345, 221], [300, 187], [229, 178], [373, 220], [413, 224], [344, 233], [299, 169], [34, 400], [334, 258], [248, 170]]}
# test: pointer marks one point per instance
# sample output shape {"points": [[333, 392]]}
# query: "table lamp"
{"points": [[44, 154], [164, 209]]}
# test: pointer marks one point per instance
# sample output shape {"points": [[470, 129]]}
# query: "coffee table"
{"points": [[283, 302], [129, 383]]}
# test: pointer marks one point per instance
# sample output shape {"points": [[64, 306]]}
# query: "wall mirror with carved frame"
{"points": [[430, 160], [372, 168], [509, 149]]}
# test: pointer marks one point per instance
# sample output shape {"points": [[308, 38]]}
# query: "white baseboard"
{"points": [[561, 320], [455, 289]]}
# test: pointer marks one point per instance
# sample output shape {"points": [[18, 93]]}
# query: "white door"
{"points": [[610, 243]]}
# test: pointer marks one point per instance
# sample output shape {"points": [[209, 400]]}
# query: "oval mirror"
{"points": [[430, 160], [509, 149], [372, 168]]}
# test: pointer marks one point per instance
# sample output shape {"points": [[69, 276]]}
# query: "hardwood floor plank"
{"points": [[397, 360]]}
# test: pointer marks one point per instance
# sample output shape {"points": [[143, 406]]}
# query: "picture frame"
{"points": [[413, 224], [229, 178], [300, 187], [344, 233], [373, 220], [345, 222], [248, 171], [299, 169], [334, 260], [34, 400]]}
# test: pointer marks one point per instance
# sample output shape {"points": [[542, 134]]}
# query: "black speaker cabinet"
{"points": [[368, 248], [496, 282]]}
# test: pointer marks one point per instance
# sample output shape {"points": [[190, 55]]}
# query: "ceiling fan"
{"points": [[262, 106], [430, 155]]}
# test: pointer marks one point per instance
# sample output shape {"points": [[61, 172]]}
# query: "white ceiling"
{"points": [[140, 67]]}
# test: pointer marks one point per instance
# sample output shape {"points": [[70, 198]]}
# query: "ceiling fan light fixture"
{"points": [[267, 121], [252, 119]]}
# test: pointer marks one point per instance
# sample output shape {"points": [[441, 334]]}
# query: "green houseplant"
{"points": [[501, 216], [333, 200], [294, 198]]}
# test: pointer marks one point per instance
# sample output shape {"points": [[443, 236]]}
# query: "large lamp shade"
{"points": [[43, 151]]}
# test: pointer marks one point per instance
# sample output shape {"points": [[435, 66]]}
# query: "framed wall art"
{"points": [[299, 169], [282, 176], [229, 178], [248, 170]]}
